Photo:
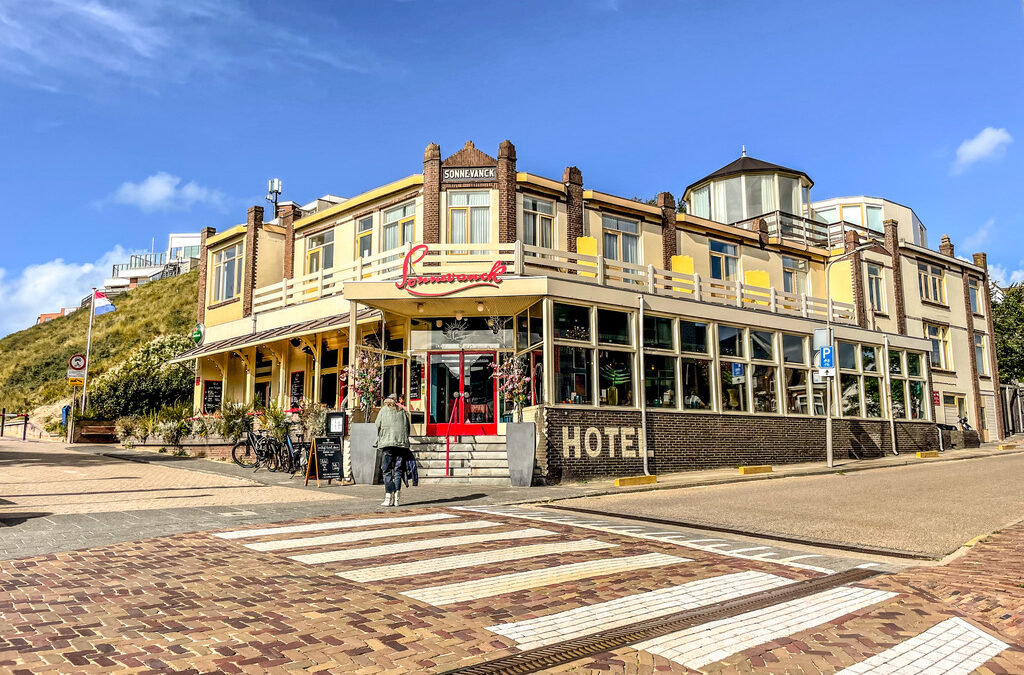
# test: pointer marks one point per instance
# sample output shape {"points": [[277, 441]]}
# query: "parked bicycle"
{"points": [[261, 450]]}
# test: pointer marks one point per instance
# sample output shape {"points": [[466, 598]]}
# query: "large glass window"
{"points": [[876, 288], [658, 332], [794, 275], [852, 214], [227, 273], [572, 376], [660, 381], [796, 392], [615, 377], [931, 283], [979, 354], [793, 348], [530, 327], [899, 399], [538, 222], [914, 365], [974, 290], [572, 322], [872, 397], [700, 202], [869, 358], [789, 196], [915, 399], [613, 327], [469, 217], [364, 236], [762, 345], [760, 193], [730, 341], [765, 395], [621, 240], [849, 395], [728, 200], [724, 261], [847, 356], [693, 336], [320, 251], [399, 224], [939, 337], [695, 380], [874, 214], [734, 386]]}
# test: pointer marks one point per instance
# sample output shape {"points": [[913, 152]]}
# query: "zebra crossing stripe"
{"points": [[705, 644], [517, 581], [952, 647], [350, 537], [590, 619], [420, 545], [454, 562], [331, 525]]}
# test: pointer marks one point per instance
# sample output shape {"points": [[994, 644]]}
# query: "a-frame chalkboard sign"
{"points": [[324, 461]]}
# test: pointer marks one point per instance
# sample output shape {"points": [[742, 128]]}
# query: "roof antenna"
{"points": [[743, 151]]}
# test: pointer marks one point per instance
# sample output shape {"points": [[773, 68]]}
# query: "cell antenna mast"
{"points": [[274, 192]]}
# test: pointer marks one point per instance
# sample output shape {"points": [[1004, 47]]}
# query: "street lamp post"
{"points": [[829, 458]]}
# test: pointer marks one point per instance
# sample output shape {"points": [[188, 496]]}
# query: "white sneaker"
{"points": [[394, 499], [388, 499]]}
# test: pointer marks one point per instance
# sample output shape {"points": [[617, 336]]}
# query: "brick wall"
{"points": [[572, 178], [432, 194], [667, 204], [892, 243], [506, 192], [253, 223], [205, 234], [587, 443], [288, 214]]}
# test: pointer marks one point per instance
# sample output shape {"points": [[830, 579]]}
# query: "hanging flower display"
{"points": [[513, 383], [367, 380]]}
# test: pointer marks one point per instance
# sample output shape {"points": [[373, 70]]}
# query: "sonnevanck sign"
{"points": [[443, 283], [469, 174]]}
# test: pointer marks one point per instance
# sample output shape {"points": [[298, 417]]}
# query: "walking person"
{"points": [[393, 440]]}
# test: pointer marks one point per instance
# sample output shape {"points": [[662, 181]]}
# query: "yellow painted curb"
{"points": [[928, 453], [976, 540], [763, 468], [635, 480], [1008, 446]]}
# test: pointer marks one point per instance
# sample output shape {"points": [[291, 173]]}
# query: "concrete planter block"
{"points": [[521, 442], [365, 457]]}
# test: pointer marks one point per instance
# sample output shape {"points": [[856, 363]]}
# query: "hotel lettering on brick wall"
{"points": [[473, 259]]}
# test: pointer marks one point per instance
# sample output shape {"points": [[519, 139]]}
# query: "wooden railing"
{"points": [[525, 260], [783, 225]]}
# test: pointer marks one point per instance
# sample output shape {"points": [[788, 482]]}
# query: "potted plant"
{"points": [[520, 437]]}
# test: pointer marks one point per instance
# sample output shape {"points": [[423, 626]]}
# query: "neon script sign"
{"points": [[412, 281]]}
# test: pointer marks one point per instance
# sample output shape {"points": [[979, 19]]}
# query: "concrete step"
{"points": [[462, 454], [465, 480], [476, 463], [467, 472], [421, 440], [458, 447]]}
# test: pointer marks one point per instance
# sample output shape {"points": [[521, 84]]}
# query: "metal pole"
{"points": [[24, 427], [888, 387], [643, 392], [71, 419], [88, 345], [829, 456], [3, 421]]}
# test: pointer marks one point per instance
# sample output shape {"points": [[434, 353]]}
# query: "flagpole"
{"points": [[88, 345]]}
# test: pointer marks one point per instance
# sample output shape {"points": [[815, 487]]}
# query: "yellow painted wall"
{"points": [[840, 283], [683, 264], [587, 246]]}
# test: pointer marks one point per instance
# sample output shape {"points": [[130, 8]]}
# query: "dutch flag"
{"points": [[101, 304]]}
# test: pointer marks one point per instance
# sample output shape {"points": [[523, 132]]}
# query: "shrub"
{"points": [[313, 417], [204, 426], [145, 381], [274, 419], [148, 425], [236, 421], [174, 423], [127, 428]]}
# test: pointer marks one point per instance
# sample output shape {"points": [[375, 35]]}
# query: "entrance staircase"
{"points": [[476, 460]]}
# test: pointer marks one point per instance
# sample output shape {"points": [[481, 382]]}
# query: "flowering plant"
{"points": [[513, 383], [367, 380]]}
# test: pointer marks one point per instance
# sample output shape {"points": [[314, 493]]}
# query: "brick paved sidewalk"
{"points": [[350, 594]]}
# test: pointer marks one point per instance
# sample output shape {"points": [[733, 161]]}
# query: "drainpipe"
{"points": [[640, 382], [888, 392]]}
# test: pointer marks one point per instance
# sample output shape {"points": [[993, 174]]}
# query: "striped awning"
{"points": [[272, 334]]}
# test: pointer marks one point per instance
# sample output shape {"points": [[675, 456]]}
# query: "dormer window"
{"points": [[749, 188]]}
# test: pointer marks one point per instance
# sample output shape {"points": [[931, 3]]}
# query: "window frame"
{"points": [[469, 210], [931, 281], [319, 250], [364, 233], [942, 336], [530, 204], [876, 287], [402, 222], [219, 263], [619, 234], [791, 273], [724, 256]]}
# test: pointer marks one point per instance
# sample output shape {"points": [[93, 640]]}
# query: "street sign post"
{"points": [[76, 381], [76, 370]]}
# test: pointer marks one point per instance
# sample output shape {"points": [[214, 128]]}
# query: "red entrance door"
{"points": [[462, 395]]}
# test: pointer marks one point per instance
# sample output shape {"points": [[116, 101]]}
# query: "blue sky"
{"points": [[121, 122]]}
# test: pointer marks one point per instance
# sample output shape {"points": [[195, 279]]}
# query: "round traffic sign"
{"points": [[76, 362]]}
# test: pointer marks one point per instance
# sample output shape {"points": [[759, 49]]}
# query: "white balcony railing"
{"points": [[525, 260]]}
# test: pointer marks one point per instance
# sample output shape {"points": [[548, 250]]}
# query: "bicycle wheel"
{"points": [[244, 455]]}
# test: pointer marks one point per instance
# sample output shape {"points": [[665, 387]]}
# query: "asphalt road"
{"points": [[932, 509]]}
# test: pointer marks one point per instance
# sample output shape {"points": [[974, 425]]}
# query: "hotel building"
{"points": [[679, 334]]}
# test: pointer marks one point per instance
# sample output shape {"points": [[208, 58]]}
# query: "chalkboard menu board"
{"points": [[415, 378], [297, 387], [213, 394], [324, 460]]}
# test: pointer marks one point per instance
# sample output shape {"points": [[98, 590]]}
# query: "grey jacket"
{"points": [[392, 428]]}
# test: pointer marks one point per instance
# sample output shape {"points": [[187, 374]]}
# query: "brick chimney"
{"points": [[204, 234], [253, 224], [946, 246], [506, 192], [572, 178], [287, 214], [432, 194], [892, 243], [667, 204], [981, 260]]}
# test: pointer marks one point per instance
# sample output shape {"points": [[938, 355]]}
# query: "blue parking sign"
{"points": [[827, 358]]}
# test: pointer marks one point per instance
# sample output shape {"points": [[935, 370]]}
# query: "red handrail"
{"points": [[447, 433]]}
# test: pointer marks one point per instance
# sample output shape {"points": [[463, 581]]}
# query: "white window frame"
{"points": [[876, 288], [317, 247], [220, 261], [532, 210], [469, 210], [931, 282], [724, 256], [402, 217], [618, 227], [794, 269]]}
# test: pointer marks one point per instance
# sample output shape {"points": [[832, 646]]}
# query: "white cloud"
{"points": [[1004, 276], [990, 143], [164, 192], [975, 241], [49, 44], [48, 286]]}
